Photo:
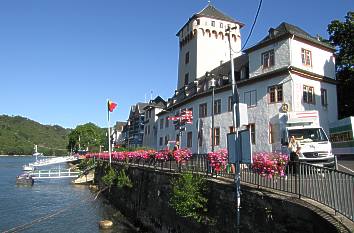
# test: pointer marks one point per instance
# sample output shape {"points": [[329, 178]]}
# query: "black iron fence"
{"points": [[332, 188]]}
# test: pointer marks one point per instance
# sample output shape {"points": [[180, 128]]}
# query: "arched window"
{"points": [[195, 32], [215, 34], [191, 35], [202, 31], [221, 35]]}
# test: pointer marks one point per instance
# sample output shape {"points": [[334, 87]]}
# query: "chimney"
{"points": [[271, 32]]}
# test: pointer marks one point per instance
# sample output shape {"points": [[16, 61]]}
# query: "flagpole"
{"points": [[109, 135]]}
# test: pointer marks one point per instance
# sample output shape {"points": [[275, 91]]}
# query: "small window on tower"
{"points": [[221, 25], [186, 79], [213, 23], [187, 58], [198, 21]]}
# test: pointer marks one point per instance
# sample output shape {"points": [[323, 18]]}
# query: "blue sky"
{"points": [[61, 59]]}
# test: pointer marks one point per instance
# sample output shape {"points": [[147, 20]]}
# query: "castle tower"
{"points": [[204, 45]]}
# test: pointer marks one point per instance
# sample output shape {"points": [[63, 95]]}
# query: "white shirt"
{"points": [[293, 146]]}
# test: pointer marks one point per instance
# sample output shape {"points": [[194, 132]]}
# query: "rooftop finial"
{"points": [[209, 2]]}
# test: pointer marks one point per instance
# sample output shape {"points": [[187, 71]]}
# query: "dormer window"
{"points": [[268, 59], [198, 21], [213, 23], [243, 73]]}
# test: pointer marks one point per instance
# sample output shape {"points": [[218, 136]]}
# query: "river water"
{"points": [[51, 205]]}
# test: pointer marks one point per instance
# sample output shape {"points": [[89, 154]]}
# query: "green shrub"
{"points": [[109, 177], [188, 197], [85, 163], [123, 180]]}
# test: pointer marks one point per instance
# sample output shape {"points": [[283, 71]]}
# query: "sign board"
{"points": [[171, 145], [243, 114], [240, 149]]}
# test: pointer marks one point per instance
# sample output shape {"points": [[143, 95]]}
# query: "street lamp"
{"points": [[236, 125], [212, 85]]}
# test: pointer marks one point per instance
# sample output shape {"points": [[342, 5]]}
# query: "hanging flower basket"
{"points": [[182, 155], [218, 159], [270, 164]]}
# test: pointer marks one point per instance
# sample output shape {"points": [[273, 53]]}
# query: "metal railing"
{"points": [[54, 174], [329, 187]]}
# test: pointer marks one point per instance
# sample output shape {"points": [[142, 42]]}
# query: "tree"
{"points": [[87, 136], [342, 36], [188, 196]]}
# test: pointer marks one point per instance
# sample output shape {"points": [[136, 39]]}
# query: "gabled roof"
{"points": [[140, 107], [158, 102], [286, 30], [219, 73], [211, 12], [225, 69]]}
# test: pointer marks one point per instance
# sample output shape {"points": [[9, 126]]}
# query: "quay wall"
{"points": [[147, 205]]}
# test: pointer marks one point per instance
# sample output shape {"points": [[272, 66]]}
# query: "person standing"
{"points": [[294, 148]]}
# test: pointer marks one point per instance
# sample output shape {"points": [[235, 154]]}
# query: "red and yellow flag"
{"points": [[111, 106]]}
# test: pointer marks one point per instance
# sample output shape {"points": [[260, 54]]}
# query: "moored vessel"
{"points": [[24, 179], [28, 167]]}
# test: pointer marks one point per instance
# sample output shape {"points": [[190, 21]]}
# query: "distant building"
{"points": [[154, 107], [118, 139], [289, 70], [133, 131]]}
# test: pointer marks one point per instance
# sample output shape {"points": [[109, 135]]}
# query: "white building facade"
{"points": [[153, 108], [288, 70]]}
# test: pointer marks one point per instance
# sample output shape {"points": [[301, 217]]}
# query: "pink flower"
{"points": [[181, 155], [269, 164], [162, 155], [218, 159]]}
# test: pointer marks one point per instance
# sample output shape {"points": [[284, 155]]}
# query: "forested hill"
{"points": [[18, 135]]}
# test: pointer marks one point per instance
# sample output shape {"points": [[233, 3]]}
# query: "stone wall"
{"points": [[146, 204]]}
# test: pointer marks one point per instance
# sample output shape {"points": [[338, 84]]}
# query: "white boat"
{"points": [[37, 154], [28, 167], [54, 160]]}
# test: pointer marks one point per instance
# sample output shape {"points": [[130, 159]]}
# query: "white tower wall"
{"points": [[207, 45]]}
